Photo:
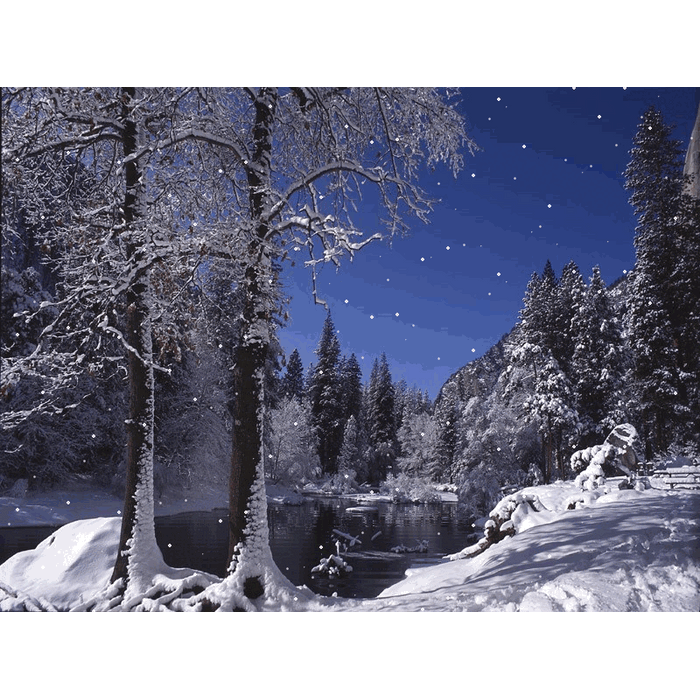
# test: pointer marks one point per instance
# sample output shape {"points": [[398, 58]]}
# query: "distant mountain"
{"points": [[478, 378]]}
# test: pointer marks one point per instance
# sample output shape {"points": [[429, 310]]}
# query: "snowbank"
{"points": [[615, 550], [70, 566]]}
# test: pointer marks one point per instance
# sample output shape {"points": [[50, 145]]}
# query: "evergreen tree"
{"points": [[351, 388], [567, 300], [597, 362], [654, 176], [381, 420], [292, 384], [350, 457], [325, 397], [539, 313], [446, 421]]}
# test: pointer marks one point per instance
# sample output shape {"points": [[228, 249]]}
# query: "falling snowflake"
{"points": [[346, 301], [422, 259], [397, 313], [473, 349], [549, 206], [371, 316], [524, 146], [447, 247], [498, 274]]}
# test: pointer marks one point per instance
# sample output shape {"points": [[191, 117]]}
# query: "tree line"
{"points": [[585, 356]]}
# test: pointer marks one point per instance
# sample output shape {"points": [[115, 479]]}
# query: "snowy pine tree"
{"points": [[654, 177], [325, 397], [597, 362], [381, 424], [292, 384]]}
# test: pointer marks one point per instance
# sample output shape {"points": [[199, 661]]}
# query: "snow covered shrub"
{"points": [[404, 488], [343, 482]]}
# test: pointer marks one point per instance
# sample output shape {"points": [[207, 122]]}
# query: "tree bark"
{"points": [[137, 517], [251, 355]]}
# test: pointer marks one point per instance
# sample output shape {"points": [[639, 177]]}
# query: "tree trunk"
{"points": [[246, 453], [253, 349], [138, 551]]}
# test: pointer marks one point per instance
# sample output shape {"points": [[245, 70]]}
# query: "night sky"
{"points": [[547, 184]]}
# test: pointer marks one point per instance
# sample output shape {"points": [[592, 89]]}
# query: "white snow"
{"points": [[602, 550], [624, 550]]}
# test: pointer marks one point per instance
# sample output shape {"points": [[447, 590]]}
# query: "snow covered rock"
{"points": [[332, 566]]}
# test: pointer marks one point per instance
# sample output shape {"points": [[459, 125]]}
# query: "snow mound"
{"points": [[71, 565]]}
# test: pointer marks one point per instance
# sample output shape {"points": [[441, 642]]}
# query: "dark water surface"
{"points": [[301, 535]]}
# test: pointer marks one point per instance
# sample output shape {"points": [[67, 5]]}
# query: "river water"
{"points": [[301, 535]]}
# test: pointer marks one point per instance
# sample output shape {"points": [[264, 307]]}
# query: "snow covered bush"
{"points": [[343, 482], [404, 488]]}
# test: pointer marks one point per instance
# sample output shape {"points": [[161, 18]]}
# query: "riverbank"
{"points": [[611, 550]]}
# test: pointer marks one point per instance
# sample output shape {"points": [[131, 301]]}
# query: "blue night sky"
{"points": [[547, 184]]}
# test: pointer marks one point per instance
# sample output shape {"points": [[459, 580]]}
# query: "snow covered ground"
{"points": [[617, 550]]}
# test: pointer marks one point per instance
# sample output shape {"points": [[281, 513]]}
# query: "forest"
{"points": [[143, 237]]}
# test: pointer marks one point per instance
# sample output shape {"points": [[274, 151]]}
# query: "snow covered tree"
{"points": [[293, 460], [535, 377], [350, 459], [417, 438], [568, 298], [447, 433], [381, 425], [292, 385], [325, 397], [280, 171], [351, 388], [655, 179], [597, 362], [121, 249]]}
